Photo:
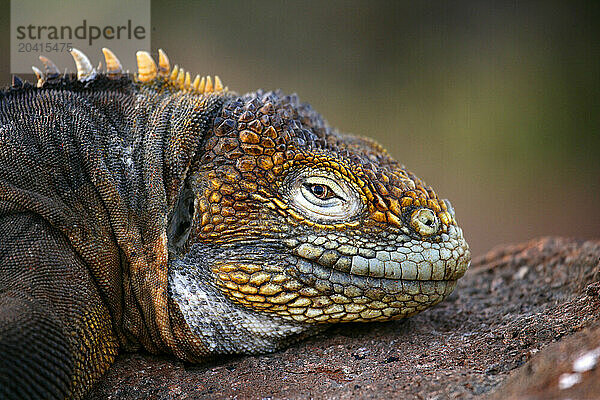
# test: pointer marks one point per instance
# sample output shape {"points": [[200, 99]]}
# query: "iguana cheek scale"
{"points": [[171, 214]]}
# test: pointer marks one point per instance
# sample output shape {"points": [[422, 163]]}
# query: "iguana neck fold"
{"points": [[169, 127]]}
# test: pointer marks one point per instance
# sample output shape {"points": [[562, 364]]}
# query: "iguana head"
{"points": [[295, 219], [284, 216]]}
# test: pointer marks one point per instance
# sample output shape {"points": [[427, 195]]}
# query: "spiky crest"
{"points": [[148, 72], [113, 65]]}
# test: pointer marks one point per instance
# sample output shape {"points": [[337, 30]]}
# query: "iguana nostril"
{"points": [[424, 222]]}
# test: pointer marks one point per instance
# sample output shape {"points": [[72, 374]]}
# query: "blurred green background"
{"points": [[495, 104]]}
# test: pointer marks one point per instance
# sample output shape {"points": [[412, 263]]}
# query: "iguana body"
{"points": [[179, 217]]}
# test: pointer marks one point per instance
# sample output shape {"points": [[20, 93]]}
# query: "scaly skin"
{"points": [[183, 218]]}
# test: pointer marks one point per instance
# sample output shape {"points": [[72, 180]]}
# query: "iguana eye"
{"points": [[322, 196], [320, 191]]}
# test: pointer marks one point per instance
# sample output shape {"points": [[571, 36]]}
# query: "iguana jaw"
{"points": [[285, 281], [235, 302]]}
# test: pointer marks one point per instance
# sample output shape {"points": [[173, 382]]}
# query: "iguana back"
{"points": [[173, 215]]}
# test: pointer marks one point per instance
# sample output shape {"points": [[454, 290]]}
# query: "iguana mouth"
{"points": [[350, 297], [385, 284], [412, 260]]}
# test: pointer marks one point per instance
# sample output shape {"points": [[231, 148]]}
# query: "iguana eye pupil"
{"points": [[320, 191]]}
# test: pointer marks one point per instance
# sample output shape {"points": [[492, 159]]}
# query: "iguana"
{"points": [[154, 212]]}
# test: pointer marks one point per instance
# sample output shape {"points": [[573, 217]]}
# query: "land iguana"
{"points": [[153, 212]]}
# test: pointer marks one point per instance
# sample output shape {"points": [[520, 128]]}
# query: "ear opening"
{"points": [[180, 225]]}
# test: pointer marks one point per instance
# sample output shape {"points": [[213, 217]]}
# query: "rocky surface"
{"points": [[524, 323]]}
